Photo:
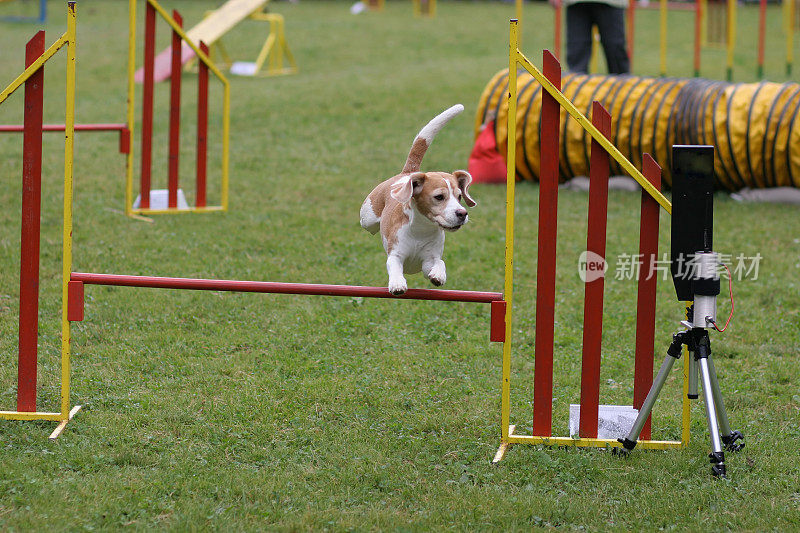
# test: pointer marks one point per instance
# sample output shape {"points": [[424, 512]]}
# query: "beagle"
{"points": [[413, 209]]}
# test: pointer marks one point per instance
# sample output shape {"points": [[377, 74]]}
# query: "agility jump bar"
{"points": [[276, 287], [75, 293], [124, 133]]}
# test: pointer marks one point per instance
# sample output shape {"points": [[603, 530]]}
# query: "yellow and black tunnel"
{"points": [[751, 125]]}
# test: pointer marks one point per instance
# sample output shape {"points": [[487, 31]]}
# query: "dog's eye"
{"points": [[439, 197]]}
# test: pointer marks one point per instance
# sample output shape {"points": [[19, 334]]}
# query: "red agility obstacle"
{"points": [[602, 151]]}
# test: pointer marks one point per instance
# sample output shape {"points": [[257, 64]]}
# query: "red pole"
{"points": [[546, 267], [202, 128], [31, 217], [631, 28], [762, 21], [174, 114], [147, 104], [698, 32], [646, 297], [278, 287], [557, 23], [593, 299]]}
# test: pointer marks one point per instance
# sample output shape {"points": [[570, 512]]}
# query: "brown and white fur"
{"points": [[413, 209]]}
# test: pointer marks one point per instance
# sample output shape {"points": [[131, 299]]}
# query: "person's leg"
{"points": [[579, 36], [611, 25]]}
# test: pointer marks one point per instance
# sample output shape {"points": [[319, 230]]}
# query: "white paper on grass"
{"points": [[243, 68], [159, 199], [613, 421]]}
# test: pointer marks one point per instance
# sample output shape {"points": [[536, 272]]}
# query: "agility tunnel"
{"points": [[752, 125]]}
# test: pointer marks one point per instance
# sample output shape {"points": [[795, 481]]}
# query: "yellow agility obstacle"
{"points": [[274, 51], [425, 8], [218, 23]]}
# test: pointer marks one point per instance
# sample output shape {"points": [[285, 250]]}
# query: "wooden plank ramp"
{"points": [[208, 30]]}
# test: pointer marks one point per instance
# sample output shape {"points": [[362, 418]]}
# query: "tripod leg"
{"points": [[716, 456], [629, 442], [729, 438]]}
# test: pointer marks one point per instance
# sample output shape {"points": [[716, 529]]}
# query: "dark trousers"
{"points": [[610, 22]]}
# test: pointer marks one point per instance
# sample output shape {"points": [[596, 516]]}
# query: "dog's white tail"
{"points": [[425, 137]]}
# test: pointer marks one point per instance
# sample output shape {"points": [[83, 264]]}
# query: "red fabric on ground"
{"points": [[486, 165]]}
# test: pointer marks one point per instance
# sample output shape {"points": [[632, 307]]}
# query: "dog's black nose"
{"points": [[461, 214]]}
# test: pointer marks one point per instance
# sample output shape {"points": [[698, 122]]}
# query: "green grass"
{"points": [[242, 411]]}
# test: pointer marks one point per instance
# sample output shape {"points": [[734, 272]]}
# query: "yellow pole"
{"points": [[226, 128], [69, 136], [686, 406], [28, 72], [730, 38], [607, 145], [663, 47], [511, 175], [131, 105]]}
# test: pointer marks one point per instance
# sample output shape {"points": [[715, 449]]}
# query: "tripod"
{"points": [[698, 343]]}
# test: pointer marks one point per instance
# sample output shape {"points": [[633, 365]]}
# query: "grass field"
{"points": [[246, 412]]}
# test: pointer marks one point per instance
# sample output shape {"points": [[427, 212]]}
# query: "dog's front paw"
{"points": [[438, 274], [398, 286]]}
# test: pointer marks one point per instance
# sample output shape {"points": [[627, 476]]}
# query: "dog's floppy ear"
{"points": [[464, 179], [406, 187]]}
